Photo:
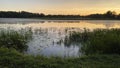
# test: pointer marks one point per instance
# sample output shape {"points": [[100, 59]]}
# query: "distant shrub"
{"points": [[15, 39]]}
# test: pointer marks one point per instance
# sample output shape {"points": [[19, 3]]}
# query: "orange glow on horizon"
{"points": [[75, 11], [65, 7]]}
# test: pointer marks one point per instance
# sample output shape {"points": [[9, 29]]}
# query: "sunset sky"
{"points": [[82, 7]]}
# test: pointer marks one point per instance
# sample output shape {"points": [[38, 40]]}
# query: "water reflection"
{"points": [[49, 35], [46, 42]]}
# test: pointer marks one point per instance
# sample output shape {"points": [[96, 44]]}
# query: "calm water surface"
{"points": [[48, 33]]}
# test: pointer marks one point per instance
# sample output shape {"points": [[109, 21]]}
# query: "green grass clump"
{"points": [[15, 39], [99, 41], [103, 42]]}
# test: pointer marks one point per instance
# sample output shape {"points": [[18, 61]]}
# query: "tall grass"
{"points": [[103, 42], [99, 41], [76, 37], [15, 39]]}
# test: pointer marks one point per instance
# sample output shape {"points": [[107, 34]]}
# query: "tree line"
{"points": [[24, 14]]}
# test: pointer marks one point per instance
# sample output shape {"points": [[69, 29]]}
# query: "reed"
{"points": [[15, 39], [99, 41]]}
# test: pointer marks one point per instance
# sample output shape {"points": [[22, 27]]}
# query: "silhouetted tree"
{"points": [[110, 15], [21, 14], [24, 14]]}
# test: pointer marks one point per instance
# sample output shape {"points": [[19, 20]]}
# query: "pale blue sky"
{"points": [[82, 7]]}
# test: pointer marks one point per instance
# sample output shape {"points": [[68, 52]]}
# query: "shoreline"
{"points": [[60, 19]]}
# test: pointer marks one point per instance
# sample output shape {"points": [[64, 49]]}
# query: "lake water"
{"points": [[48, 33]]}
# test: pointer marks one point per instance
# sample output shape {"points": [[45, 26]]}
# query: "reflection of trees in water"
{"points": [[108, 25], [20, 21], [64, 21]]}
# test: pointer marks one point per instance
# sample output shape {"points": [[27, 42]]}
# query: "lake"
{"points": [[48, 35]]}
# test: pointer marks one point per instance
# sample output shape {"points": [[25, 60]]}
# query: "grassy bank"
{"points": [[10, 58]]}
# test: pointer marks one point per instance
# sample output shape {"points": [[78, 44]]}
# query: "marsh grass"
{"points": [[12, 43], [15, 39], [99, 41], [77, 37]]}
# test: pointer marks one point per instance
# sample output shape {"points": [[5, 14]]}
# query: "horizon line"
{"points": [[57, 14]]}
